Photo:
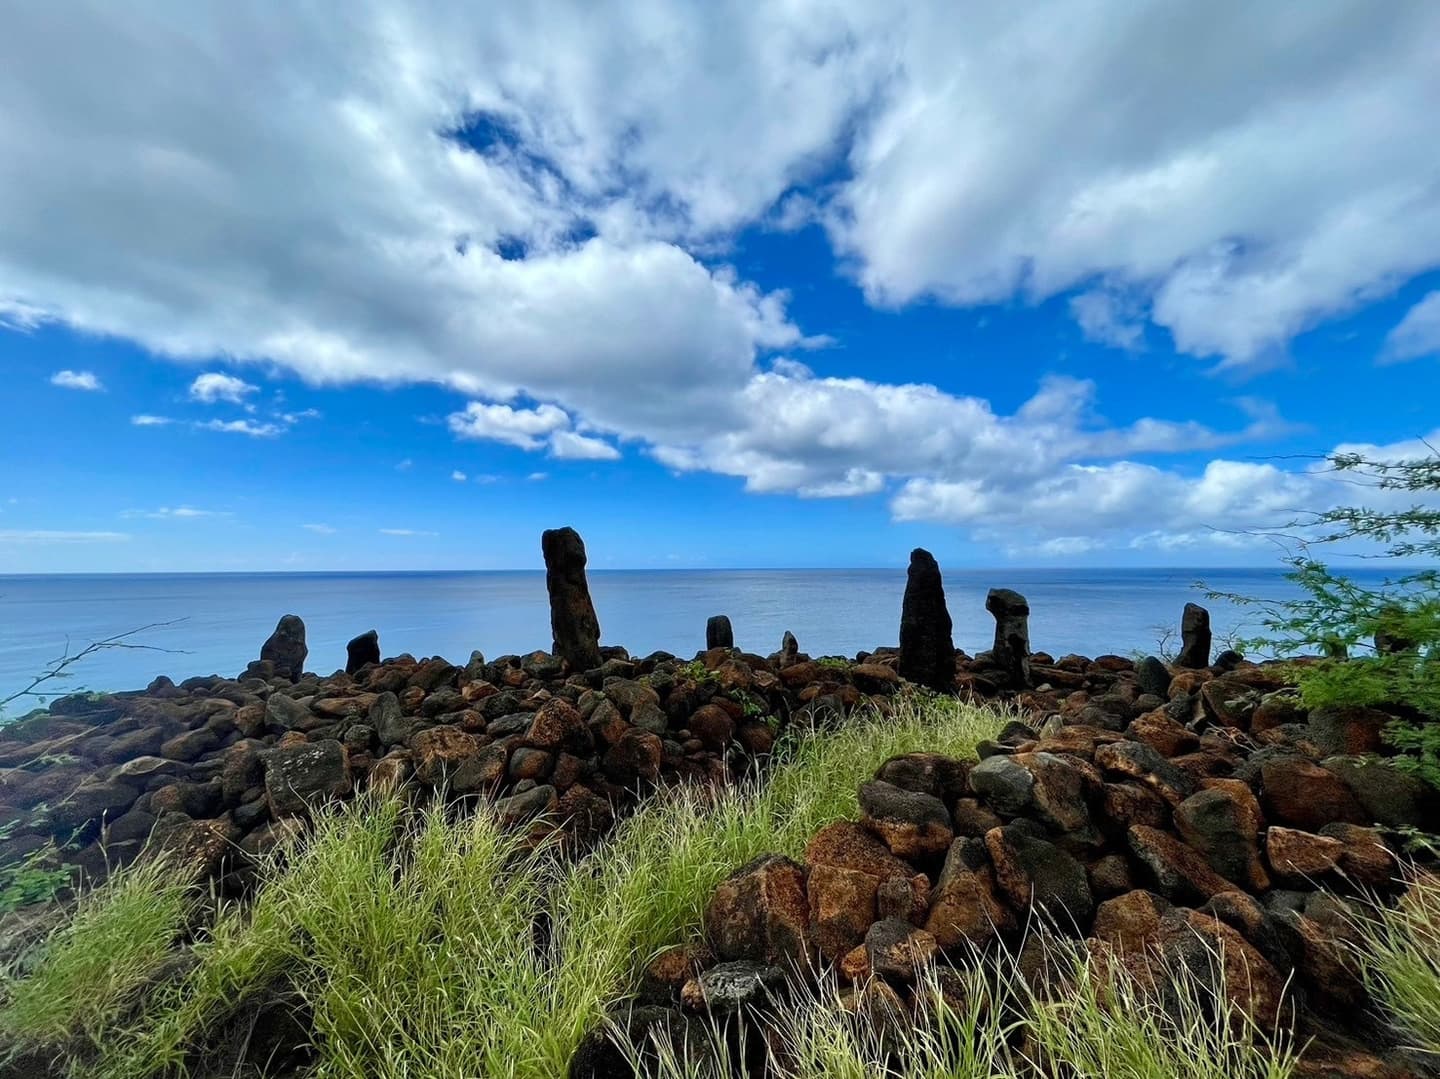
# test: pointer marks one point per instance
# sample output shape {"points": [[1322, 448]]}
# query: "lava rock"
{"points": [[927, 649], [718, 632], [362, 650], [1011, 650], [1194, 637], [285, 648], [573, 622]]}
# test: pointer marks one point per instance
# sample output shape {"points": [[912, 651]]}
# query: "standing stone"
{"points": [[718, 633], [572, 614], [1194, 638], [1012, 634], [789, 649], [285, 648], [927, 650], [362, 650]]}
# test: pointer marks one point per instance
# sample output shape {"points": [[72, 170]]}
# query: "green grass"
{"points": [[92, 970], [1400, 959], [409, 937], [985, 1021]]}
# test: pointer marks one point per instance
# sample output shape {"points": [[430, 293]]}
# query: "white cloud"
{"points": [[568, 445], [526, 428], [41, 535], [458, 476], [319, 529], [536, 477], [214, 386], [145, 420], [1418, 333], [77, 380], [241, 427], [405, 465], [406, 532], [1107, 319]]}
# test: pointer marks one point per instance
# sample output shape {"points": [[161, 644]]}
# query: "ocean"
{"points": [[215, 623]]}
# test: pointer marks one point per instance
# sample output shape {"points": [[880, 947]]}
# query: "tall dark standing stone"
{"points": [[718, 633], [362, 650], [572, 614], [1194, 638], [1012, 634], [927, 649], [789, 649], [285, 648]]}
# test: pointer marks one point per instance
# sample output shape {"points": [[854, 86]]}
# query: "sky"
{"points": [[396, 286]]}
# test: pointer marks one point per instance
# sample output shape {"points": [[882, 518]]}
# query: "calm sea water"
{"points": [[220, 620]]}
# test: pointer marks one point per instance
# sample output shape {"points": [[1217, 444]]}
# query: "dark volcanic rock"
{"points": [[299, 776], [362, 650], [572, 614], [1011, 650], [927, 650], [285, 648], [718, 633], [1195, 637], [1152, 677]]}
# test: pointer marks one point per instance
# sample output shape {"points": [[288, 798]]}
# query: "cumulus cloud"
{"points": [[526, 428], [1418, 333], [77, 380], [214, 386], [242, 427]]}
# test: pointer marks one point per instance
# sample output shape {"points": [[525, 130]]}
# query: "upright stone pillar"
{"points": [[789, 649], [927, 649], [572, 614], [286, 648], [718, 633], [1194, 638], [362, 650], [1011, 650]]}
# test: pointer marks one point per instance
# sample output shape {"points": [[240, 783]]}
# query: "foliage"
{"points": [[91, 969], [411, 938], [32, 878], [1400, 959], [985, 1020], [696, 671], [1378, 645], [834, 663]]}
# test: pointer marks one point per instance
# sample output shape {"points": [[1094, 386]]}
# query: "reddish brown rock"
{"points": [[1364, 859], [898, 950], [761, 913], [1131, 922], [1301, 857], [439, 752], [1162, 734], [842, 908], [1299, 793], [557, 725], [966, 905], [1181, 873], [1035, 875], [713, 726], [635, 759], [911, 824]]}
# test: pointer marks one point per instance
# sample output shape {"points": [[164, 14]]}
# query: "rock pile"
{"points": [[1215, 819]]}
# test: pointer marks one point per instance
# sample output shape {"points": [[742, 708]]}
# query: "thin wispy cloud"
{"points": [[458, 476], [46, 535], [242, 427], [176, 513], [147, 420], [77, 380], [319, 529], [406, 532]]}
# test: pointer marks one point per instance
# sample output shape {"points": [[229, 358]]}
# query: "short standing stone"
{"points": [[789, 649], [1194, 637], [286, 649], [927, 649], [572, 614], [718, 633], [362, 650], [1011, 650], [297, 777], [1152, 677]]}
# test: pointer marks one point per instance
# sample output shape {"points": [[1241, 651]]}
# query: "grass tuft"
{"points": [[1400, 959]]}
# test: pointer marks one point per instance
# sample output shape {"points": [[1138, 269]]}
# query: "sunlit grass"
{"points": [[1400, 959]]}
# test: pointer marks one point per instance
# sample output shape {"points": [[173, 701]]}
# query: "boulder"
{"points": [[573, 622], [897, 950], [912, 825], [966, 905], [285, 648], [1223, 824], [1181, 873], [299, 776], [928, 773], [842, 908], [362, 650], [1037, 876], [1194, 637], [1152, 676], [927, 649], [1300, 793], [761, 914], [718, 632], [1011, 649], [1005, 785], [1301, 857]]}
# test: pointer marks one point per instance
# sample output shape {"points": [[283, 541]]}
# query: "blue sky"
{"points": [[1088, 285]]}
